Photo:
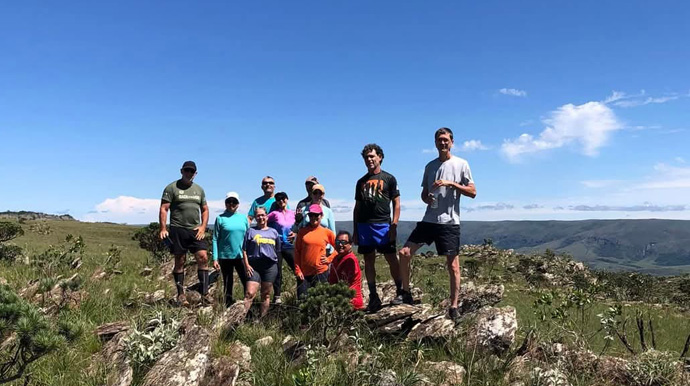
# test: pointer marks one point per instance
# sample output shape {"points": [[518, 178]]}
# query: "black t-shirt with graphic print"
{"points": [[374, 193]]}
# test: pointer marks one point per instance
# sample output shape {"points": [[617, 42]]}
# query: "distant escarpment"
{"points": [[24, 215]]}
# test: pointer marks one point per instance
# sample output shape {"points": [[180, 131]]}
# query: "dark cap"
{"points": [[311, 180], [280, 196], [189, 165]]}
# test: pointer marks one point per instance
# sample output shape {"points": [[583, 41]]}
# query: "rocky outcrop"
{"points": [[185, 364], [231, 318], [494, 330], [106, 331], [221, 372], [473, 297], [113, 357], [451, 373], [436, 328]]}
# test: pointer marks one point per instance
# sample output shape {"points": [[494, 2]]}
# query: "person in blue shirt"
{"points": [[228, 236], [317, 196], [268, 185]]}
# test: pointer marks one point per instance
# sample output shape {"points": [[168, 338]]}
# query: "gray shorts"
{"points": [[265, 270]]}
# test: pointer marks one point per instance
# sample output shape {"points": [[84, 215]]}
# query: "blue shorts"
{"points": [[374, 237]]}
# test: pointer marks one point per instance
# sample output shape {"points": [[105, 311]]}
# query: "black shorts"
{"points": [[445, 236], [184, 240], [265, 270]]}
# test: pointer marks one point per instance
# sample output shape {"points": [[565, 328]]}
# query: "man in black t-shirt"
{"points": [[373, 229]]}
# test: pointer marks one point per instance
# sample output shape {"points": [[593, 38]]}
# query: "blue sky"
{"points": [[564, 111]]}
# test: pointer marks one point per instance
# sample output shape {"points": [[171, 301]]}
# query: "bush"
{"points": [[10, 252], [144, 346], [10, 230], [653, 368], [327, 311], [148, 238], [60, 256], [34, 336]]}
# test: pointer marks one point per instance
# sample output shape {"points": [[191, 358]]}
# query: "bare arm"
{"points": [[201, 229], [425, 195], [396, 210], [163, 219], [468, 190], [354, 223]]}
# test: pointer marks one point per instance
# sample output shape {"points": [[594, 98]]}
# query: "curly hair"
{"points": [[372, 146]]}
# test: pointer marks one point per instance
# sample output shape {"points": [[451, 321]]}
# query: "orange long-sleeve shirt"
{"points": [[310, 246]]}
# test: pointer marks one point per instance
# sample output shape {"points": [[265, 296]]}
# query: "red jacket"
{"points": [[346, 269]]}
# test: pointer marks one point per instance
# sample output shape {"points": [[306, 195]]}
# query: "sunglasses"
{"points": [[317, 192], [189, 170], [268, 183], [232, 201], [314, 214], [341, 242]]}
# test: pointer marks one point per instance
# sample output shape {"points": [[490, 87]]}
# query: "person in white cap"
{"points": [[228, 236]]}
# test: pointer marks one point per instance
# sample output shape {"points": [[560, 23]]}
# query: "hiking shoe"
{"points": [[374, 303], [182, 300], [453, 314], [398, 299], [277, 300], [406, 297]]}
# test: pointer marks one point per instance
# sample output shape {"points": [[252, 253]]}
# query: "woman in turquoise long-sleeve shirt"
{"points": [[228, 235]]}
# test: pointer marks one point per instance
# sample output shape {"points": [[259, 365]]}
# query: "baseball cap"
{"points": [[280, 195], [189, 165], [318, 187], [315, 208], [232, 195], [312, 179]]}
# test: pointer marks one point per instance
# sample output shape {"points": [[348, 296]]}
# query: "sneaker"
{"points": [[406, 297], [277, 300], [374, 303], [398, 299], [453, 314], [182, 300]]}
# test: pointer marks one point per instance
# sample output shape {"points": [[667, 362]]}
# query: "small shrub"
{"points": [[149, 241], [653, 368], [42, 228], [10, 230], [10, 252], [328, 312], [113, 258], [144, 346], [35, 337], [61, 256]]}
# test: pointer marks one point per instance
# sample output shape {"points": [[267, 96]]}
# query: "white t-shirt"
{"points": [[455, 169]]}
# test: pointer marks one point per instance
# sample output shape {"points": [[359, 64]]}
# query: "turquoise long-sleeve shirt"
{"points": [[228, 235], [327, 221]]}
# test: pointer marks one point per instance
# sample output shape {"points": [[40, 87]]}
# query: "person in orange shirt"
{"points": [[311, 260]]}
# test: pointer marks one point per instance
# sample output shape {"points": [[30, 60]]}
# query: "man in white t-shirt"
{"points": [[446, 178]]}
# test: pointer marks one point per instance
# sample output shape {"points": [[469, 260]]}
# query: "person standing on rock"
{"points": [[282, 220], [373, 229], [228, 236], [318, 192], [304, 203], [345, 268], [268, 185], [186, 202], [446, 178], [311, 259], [261, 253]]}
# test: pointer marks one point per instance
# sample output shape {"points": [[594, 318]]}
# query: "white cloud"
{"points": [[472, 145], [680, 160], [513, 92], [621, 99], [588, 125], [668, 177], [597, 184], [429, 151], [134, 210]]}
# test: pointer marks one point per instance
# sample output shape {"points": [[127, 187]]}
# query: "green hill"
{"points": [[660, 247]]}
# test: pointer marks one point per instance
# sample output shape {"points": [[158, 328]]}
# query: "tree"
{"points": [[10, 230], [26, 335]]}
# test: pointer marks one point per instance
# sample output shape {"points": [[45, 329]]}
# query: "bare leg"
{"points": [[249, 294], [370, 267], [393, 265], [453, 264], [406, 254], [265, 297]]}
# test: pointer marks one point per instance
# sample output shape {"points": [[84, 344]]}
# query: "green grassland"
{"points": [[115, 299]]}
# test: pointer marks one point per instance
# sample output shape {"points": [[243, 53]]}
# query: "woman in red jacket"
{"points": [[345, 268]]}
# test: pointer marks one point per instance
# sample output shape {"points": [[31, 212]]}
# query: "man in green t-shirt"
{"points": [[186, 202]]}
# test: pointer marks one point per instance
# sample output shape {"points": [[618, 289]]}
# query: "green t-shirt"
{"points": [[185, 204]]}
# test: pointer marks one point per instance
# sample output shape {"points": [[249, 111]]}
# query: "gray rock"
{"points": [[453, 373], [437, 327], [388, 378], [473, 297], [107, 331], [240, 354], [113, 357], [265, 341], [221, 372], [231, 318], [494, 330], [184, 364], [155, 297]]}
